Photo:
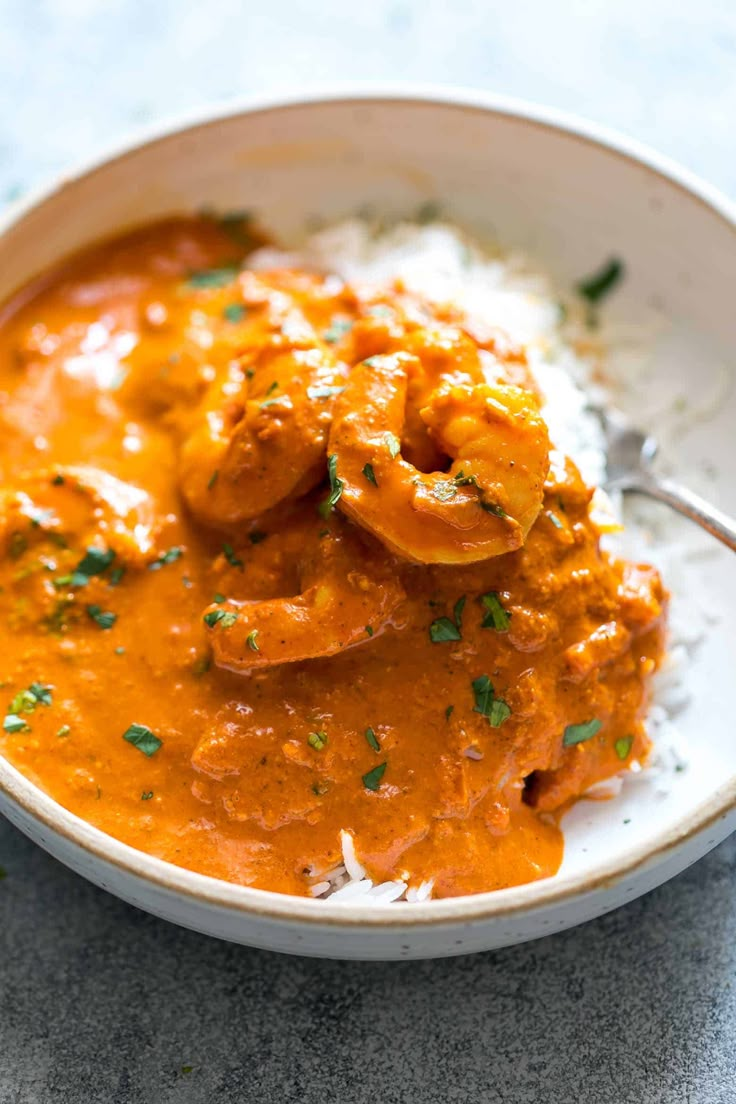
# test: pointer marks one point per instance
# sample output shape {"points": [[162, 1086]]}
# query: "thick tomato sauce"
{"points": [[445, 757]]}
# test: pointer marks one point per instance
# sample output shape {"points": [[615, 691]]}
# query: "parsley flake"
{"points": [[13, 723], [256, 536], [171, 556], [372, 739], [212, 479], [317, 740], [229, 554], [214, 617], [578, 733], [336, 488], [449, 711], [445, 629], [94, 562], [141, 737], [147, 795], [104, 618], [212, 277], [250, 640], [370, 475], [372, 780], [595, 287], [337, 330], [623, 746], [234, 312], [496, 617], [487, 704]]}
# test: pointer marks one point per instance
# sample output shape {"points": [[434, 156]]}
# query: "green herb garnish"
{"points": [[13, 723], [336, 488], [64, 730], [554, 519], [214, 617], [372, 780], [323, 392], [147, 795], [338, 328], [446, 628], [229, 554], [212, 277], [370, 475], [496, 617], [623, 746], [212, 479], [234, 312], [596, 286], [94, 562], [449, 711], [493, 508], [141, 737], [256, 536], [369, 630], [250, 640], [578, 733], [171, 556], [104, 618], [487, 704], [116, 576], [372, 739], [317, 740]]}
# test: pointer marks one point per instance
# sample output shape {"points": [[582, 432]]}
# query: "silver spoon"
{"points": [[629, 456]]}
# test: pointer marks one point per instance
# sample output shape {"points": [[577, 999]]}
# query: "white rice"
{"points": [[506, 291]]}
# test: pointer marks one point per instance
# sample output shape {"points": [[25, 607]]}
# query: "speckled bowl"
{"points": [[570, 193]]}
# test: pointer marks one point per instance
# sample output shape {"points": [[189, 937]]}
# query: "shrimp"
{"points": [[79, 503], [266, 442], [487, 501], [349, 594]]}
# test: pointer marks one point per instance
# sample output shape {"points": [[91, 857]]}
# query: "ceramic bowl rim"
{"points": [[497, 904]]}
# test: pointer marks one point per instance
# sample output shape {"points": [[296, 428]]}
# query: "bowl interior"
{"points": [[571, 203]]}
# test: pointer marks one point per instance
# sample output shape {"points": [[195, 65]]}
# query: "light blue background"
{"points": [[100, 1003]]}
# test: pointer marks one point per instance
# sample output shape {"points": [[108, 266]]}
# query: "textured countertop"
{"points": [[101, 1004]]}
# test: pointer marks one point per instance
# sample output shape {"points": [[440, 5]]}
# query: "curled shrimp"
{"points": [[82, 504], [487, 501], [261, 438], [349, 593]]}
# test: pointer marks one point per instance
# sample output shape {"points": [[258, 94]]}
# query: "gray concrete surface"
{"points": [[101, 1004]]}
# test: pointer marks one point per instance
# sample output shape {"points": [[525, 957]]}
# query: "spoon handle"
{"points": [[686, 502]]}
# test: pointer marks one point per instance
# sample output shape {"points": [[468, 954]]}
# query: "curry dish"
{"points": [[281, 557]]}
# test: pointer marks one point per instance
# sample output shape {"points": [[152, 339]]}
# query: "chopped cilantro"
{"points": [[486, 702], [215, 616], [369, 630], [234, 312], [338, 328], [250, 640], [323, 391], [443, 490], [372, 739], [493, 508], [17, 546], [41, 693], [623, 746], [370, 475], [116, 576], [94, 562], [336, 488], [212, 479], [496, 617], [554, 519], [202, 665], [171, 556], [372, 780], [445, 628], [64, 730], [120, 650], [229, 554], [58, 481], [13, 723], [449, 711], [212, 277], [141, 737], [596, 286], [147, 795], [104, 618], [578, 733], [218, 598], [317, 740]]}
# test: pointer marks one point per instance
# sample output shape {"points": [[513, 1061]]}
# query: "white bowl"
{"points": [[573, 195]]}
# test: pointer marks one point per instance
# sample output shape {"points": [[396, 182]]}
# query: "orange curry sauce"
{"points": [[448, 710]]}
